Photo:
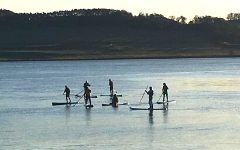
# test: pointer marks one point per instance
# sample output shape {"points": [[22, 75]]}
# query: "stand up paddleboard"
{"points": [[90, 96], [89, 106], [112, 95], [135, 108], [57, 103], [111, 104], [166, 102]]}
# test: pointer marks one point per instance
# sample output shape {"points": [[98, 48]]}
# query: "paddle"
{"points": [[79, 92], [78, 100], [160, 97], [143, 95]]}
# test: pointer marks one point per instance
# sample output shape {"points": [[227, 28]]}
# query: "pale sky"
{"points": [[186, 8]]}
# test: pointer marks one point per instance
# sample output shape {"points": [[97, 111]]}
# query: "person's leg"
{"points": [[151, 104], [111, 91], [90, 100], [85, 98]]}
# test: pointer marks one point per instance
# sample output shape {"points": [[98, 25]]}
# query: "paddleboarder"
{"points": [[150, 93], [115, 101], [164, 92], [87, 96], [111, 86], [67, 91], [86, 85]]}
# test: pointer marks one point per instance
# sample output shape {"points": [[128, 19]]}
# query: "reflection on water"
{"points": [[207, 91], [151, 127], [67, 112], [88, 117], [151, 117], [165, 113]]}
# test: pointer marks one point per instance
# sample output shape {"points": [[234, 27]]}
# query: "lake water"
{"points": [[206, 114]]}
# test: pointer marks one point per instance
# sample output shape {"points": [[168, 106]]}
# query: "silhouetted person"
{"points": [[165, 91], [87, 96], [150, 93], [115, 101], [111, 86], [67, 91]]}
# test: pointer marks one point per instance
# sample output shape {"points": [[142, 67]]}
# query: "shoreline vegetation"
{"points": [[95, 34]]}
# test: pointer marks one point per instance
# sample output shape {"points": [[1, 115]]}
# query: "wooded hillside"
{"points": [[107, 34]]}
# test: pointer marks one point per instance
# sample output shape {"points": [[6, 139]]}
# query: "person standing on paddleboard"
{"points": [[150, 93], [87, 96], [164, 92], [86, 85], [111, 86], [67, 91]]}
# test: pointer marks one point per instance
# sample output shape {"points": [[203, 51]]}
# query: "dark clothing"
{"points": [[115, 101], [86, 85], [67, 91], [67, 95], [87, 95], [164, 90], [88, 98], [111, 86], [150, 93]]}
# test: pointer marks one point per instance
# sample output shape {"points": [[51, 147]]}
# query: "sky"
{"points": [[186, 8]]}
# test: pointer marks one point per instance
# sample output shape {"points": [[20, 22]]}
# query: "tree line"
{"points": [[103, 16], [233, 16], [110, 18]]}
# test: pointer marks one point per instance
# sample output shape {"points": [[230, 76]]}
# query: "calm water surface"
{"points": [[205, 115]]}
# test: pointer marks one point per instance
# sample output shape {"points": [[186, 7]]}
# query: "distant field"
{"points": [[116, 54], [109, 43]]}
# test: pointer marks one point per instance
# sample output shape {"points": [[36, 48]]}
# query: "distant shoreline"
{"points": [[167, 57], [107, 34]]}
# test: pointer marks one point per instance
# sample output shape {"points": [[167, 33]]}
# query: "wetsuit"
{"points": [[150, 93], [111, 87], [87, 94], [164, 92], [114, 101], [86, 85], [67, 90]]}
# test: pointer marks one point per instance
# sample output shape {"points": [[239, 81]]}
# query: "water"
{"points": [[205, 115]]}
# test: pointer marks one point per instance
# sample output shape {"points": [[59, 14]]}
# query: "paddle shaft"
{"points": [[160, 97], [80, 92], [143, 95], [78, 100]]}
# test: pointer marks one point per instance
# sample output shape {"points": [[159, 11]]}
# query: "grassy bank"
{"points": [[54, 43], [116, 54]]}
